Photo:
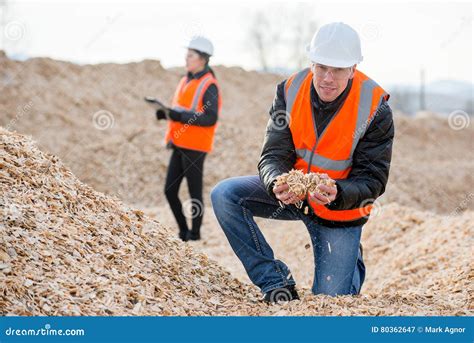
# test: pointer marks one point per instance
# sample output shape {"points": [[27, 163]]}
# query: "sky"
{"points": [[398, 38]]}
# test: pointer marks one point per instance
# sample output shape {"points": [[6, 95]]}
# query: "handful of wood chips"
{"points": [[301, 184]]}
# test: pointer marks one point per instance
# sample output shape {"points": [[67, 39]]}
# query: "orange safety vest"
{"points": [[189, 97], [332, 152]]}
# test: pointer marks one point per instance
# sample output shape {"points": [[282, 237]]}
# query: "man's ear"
{"points": [[353, 70], [313, 66]]}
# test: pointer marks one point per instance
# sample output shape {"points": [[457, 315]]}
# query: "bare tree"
{"points": [[401, 100], [469, 107], [279, 36], [259, 38], [302, 32]]}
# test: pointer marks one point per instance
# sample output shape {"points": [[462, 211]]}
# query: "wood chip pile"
{"points": [[66, 249]]}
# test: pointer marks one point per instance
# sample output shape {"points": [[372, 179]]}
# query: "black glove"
{"points": [[168, 113], [161, 114]]}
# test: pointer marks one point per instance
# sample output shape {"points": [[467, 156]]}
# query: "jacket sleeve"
{"points": [[371, 163], [278, 152], [208, 117]]}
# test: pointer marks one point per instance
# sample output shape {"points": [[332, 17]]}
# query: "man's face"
{"points": [[330, 82]]}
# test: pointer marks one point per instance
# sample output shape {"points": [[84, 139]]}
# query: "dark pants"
{"points": [[189, 164]]}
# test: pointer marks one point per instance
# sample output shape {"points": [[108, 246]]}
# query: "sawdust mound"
{"points": [[69, 250], [66, 249]]}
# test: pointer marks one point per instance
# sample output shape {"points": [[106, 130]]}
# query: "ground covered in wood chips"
{"points": [[69, 250], [104, 243]]}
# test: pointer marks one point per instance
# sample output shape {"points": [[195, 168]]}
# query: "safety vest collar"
{"points": [[362, 85], [202, 82]]}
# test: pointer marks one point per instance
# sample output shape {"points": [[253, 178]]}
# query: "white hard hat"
{"points": [[201, 44], [335, 45]]}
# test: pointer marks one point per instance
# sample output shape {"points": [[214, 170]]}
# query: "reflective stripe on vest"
{"points": [[323, 162], [363, 100], [197, 96]]}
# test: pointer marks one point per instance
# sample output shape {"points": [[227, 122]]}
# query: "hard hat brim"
{"points": [[331, 62], [190, 47]]}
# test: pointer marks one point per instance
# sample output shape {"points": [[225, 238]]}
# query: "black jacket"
{"points": [[371, 159]]}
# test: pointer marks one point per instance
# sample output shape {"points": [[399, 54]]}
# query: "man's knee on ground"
{"points": [[328, 288]]}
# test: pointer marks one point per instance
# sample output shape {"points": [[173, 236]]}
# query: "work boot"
{"points": [[194, 235], [287, 293]]}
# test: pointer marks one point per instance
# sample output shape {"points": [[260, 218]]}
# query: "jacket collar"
{"points": [[198, 75]]}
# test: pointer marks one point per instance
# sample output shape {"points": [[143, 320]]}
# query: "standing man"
{"points": [[329, 118]]}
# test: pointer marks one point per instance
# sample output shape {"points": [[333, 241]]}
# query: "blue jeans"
{"points": [[339, 268]]}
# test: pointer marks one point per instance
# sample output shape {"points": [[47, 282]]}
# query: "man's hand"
{"points": [[322, 199], [282, 194]]}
